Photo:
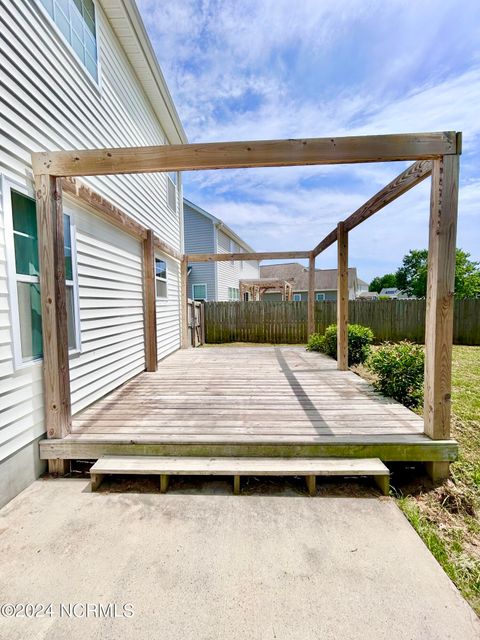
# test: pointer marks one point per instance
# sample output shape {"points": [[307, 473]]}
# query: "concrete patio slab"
{"points": [[198, 565]]}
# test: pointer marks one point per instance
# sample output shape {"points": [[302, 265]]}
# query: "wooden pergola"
{"points": [[435, 154], [256, 288]]}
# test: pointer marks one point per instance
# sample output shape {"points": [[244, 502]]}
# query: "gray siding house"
{"points": [[297, 275], [205, 233]]}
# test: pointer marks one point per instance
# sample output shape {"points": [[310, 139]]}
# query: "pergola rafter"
{"points": [[433, 153]]}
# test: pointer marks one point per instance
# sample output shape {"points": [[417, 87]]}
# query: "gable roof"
{"points": [[220, 225], [125, 20], [297, 274]]}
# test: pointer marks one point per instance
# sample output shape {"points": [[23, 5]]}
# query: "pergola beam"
{"points": [[113, 215], [226, 257], [412, 176], [233, 155]]}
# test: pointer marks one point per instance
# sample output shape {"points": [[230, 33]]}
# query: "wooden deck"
{"points": [[249, 401]]}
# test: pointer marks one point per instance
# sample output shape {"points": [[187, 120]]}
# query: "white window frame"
{"points": [[19, 362], [174, 183], [159, 279], [96, 82], [74, 285], [318, 298], [297, 297], [199, 284]]}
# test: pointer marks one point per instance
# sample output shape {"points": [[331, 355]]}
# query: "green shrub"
{"points": [[400, 371], [316, 342], [359, 340]]}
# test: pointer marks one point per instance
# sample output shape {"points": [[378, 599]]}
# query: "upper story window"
{"points": [[319, 297], [297, 297], [76, 20]]}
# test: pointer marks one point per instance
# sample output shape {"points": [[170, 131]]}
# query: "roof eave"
{"points": [[154, 85]]}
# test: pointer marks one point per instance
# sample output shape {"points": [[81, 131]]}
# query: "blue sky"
{"points": [[249, 70]]}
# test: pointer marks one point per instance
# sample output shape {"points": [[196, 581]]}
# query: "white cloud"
{"points": [[270, 69]]}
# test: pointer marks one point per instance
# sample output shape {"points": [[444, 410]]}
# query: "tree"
{"points": [[411, 277], [382, 282]]}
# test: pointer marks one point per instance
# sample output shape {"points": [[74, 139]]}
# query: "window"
{"points": [[26, 309], [161, 278], [297, 297], [199, 292], [172, 190], [76, 21], [233, 293], [319, 297], [73, 315]]}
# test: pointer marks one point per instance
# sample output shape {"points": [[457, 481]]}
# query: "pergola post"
{"points": [[184, 302], [440, 293], [342, 297], [51, 253], [311, 296], [149, 302]]}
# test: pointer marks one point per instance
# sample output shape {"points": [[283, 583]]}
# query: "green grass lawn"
{"points": [[448, 517]]}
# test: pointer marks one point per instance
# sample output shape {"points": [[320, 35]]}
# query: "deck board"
{"points": [[248, 401], [246, 393]]}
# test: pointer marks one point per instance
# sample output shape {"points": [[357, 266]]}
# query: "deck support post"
{"points": [[440, 292], [236, 485], [149, 302], [184, 302], [311, 485], [51, 253], [342, 298], [311, 296]]}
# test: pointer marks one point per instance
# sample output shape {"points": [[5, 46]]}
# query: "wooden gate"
{"points": [[196, 323]]}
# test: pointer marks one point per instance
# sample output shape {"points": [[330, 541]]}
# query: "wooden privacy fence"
{"points": [[286, 322]]}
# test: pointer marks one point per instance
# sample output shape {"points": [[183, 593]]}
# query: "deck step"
{"points": [[166, 466]]}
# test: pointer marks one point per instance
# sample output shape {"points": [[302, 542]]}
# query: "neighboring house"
{"points": [[205, 233], [362, 286], [297, 275], [368, 295], [80, 74], [393, 293]]}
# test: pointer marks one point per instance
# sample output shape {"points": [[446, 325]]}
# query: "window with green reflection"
{"points": [[25, 239]]}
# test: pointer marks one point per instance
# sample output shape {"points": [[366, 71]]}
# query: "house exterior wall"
{"points": [[51, 102], [229, 274], [199, 233], [329, 295]]}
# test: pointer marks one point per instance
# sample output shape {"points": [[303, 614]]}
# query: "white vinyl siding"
{"points": [[49, 101], [111, 309], [45, 109], [168, 327], [229, 274]]}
